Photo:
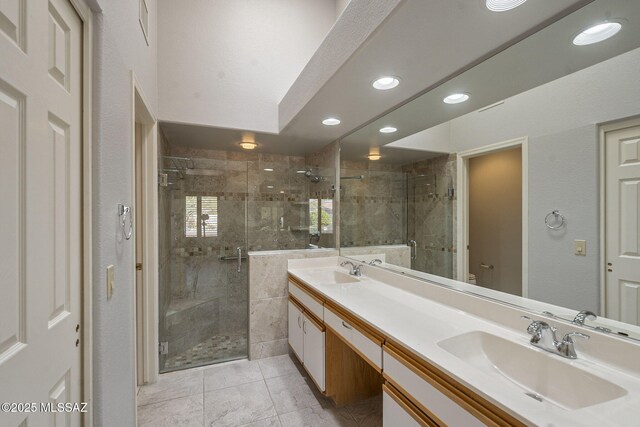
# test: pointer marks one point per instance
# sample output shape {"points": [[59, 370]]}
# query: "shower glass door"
{"points": [[203, 285], [430, 223]]}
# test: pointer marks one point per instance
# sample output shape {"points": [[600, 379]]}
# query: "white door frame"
{"points": [[604, 129], [462, 226], [142, 113], [86, 16]]}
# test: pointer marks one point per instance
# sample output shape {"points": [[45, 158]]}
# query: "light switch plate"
{"points": [[580, 247], [109, 281]]}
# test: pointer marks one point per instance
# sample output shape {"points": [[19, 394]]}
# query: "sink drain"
{"points": [[534, 396]]}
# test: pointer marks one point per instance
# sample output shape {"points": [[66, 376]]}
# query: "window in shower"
{"points": [[321, 216], [201, 216]]}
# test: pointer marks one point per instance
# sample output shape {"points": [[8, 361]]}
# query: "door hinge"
{"points": [[163, 347], [138, 266]]}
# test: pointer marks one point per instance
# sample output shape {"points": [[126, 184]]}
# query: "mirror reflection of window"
{"points": [[320, 216], [326, 216], [313, 216], [201, 216]]}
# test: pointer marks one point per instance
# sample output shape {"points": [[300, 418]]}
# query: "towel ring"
{"points": [[559, 219], [123, 212]]}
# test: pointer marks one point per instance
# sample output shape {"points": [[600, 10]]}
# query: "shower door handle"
{"points": [[414, 248], [239, 250]]}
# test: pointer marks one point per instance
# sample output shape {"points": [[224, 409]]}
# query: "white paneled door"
{"points": [[41, 212], [623, 224]]}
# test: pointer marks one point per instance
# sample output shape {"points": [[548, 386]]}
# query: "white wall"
{"points": [[561, 119], [119, 47], [229, 63]]}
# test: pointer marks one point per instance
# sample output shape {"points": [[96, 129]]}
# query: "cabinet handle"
{"points": [[304, 326], [346, 326], [299, 325]]}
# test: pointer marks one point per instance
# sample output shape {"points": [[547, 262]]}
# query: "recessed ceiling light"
{"points": [[268, 170], [597, 33], [386, 83], [388, 129], [281, 191], [331, 121], [456, 98], [301, 171], [248, 145], [503, 5], [374, 157], [269, 186]]}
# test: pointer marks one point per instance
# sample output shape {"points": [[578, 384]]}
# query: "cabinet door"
{"points": [[314, 352], [394, 415], [296, 340]]}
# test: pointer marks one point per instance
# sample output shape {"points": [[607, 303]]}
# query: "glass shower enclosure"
{"points": [[212, 211], [203, 291]]}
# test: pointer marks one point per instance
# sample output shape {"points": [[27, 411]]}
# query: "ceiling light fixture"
{"points": [[269, 186], [388, 129], [301, 171], [374, 157], [248, 141], [331, 121], [268, 170], [597, 33], [456, 98], [503, 5], [386, 83]]}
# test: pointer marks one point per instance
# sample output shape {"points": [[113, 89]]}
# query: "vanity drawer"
{"points": [[311, 303], [425, 395], [370, 350]]}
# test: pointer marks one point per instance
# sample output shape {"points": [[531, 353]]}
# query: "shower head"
{"points": [[313, 178]]}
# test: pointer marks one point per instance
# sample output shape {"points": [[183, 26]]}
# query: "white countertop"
{"points": [[420, 323]]}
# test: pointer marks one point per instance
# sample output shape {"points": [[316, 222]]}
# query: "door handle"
{"points": [[346, 326], [299, 326], [304, 326], [239, 251], [414, 248]]}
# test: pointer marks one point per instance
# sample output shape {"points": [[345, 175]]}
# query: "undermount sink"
{"points": [[327, 277], [542, 376]]}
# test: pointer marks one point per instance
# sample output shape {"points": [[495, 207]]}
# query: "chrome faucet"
{"points": [[376, 261], [355, 269], [584, 315], [543, 336]]}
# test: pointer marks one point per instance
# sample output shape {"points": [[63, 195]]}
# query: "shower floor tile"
{"points": [[216, 349]]}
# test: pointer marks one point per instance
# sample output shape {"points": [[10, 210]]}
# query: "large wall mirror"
{"points": [[525, 185]]}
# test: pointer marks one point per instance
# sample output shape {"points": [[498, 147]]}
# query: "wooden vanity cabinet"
{"points": [[351, 360]]}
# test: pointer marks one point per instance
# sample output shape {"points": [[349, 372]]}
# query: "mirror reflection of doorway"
{"points": [[495, 220]]}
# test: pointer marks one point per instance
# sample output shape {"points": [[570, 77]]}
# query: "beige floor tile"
{"points": [[368, 412], [181, 412], [317, 416], [267, 422], [231, 374], [171, 386], [238, 405], [292, 392], [278, 366]]}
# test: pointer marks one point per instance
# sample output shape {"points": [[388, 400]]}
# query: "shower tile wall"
{"points": [[431, 214], [372, 209]]}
